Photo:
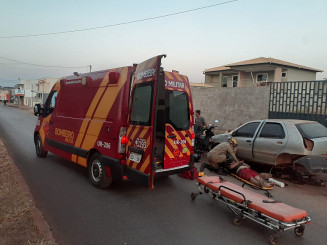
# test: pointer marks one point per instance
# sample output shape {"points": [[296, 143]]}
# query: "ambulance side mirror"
{"points": [[38, 110], [113, 77]]}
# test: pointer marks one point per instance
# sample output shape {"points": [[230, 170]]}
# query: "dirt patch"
{"points": [[20, 221]]}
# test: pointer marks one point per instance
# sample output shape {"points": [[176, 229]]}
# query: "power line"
{"points": [[119, 24], [25, 63]]}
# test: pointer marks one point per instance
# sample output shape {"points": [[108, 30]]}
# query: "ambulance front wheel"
{"points": [[40, 152], [98, 173]]}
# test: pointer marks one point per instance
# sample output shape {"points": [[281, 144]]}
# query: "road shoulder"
{"points": [[20, 221]]}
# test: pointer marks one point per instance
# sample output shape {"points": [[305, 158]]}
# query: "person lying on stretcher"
{"points": [[223, 157]]}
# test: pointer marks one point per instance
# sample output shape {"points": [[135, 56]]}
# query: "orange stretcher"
{"points": [[245, 203]]}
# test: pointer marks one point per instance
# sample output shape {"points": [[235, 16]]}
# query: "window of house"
{"points": [[262, 77], [284, 73], [247, 130], [224, 82], [235, 80], [273, 131]]}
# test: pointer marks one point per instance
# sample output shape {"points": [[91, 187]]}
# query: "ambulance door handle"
{"points": [[171, 136], [50, 122], [186, 135]]}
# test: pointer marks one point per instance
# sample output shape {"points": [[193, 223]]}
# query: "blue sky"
{"points": [[291, 30]]}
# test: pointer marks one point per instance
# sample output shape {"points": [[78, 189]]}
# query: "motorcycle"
{"points": [[203, 142]]}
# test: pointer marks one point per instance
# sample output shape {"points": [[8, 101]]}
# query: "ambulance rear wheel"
{"points": [[40, 152], [98, 173]]}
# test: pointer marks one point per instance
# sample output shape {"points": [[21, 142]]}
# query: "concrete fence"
{"points": [[231, 106]]}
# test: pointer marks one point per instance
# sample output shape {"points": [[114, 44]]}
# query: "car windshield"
{"points": [[312, 130]]}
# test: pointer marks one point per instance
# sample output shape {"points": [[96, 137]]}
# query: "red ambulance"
{"points": [[133, 121]]}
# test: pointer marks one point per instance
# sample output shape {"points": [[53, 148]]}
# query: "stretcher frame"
{"points": [[242, 211]]}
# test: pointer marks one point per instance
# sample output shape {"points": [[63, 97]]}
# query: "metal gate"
{"points": [[299, 100]]}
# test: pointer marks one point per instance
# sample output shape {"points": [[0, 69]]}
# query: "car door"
{"points": [[245, 136], [271, 139]]}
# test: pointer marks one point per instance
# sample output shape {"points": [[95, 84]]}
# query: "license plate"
{"points": [[135, 157]]}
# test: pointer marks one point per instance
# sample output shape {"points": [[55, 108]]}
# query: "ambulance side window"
{"points": [[50, 103], [53, 100], [141, 105]]}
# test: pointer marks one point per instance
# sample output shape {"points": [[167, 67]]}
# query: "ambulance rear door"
{"points": [[179, 137], [141, 128]]}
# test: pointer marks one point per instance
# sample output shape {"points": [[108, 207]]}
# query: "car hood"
{"points": [[320, 146]]}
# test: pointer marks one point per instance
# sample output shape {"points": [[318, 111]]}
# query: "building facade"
{"points": [[258, 72]]}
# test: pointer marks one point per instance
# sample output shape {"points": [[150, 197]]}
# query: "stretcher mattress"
{"points": [[276, 210], [249, 183]]}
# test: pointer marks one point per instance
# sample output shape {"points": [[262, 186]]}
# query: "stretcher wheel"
{"points": [[299, 230], [273, 240], [193, 196], [237, 221]]}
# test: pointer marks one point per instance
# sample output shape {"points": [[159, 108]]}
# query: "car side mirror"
{"points": [[38, 110], [234, 133]]}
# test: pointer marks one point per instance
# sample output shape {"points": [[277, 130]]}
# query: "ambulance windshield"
{"points": [[177, 110]]}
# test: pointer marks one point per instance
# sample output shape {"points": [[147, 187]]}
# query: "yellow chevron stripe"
{"points": [[145, 164], [135, 165], [178, 77], [168, 74], [128, 162], [187, 90], [169, 153], [143, 133], [135, 132]]}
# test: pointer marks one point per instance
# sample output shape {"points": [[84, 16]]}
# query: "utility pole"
{"points": [[90, 68]]}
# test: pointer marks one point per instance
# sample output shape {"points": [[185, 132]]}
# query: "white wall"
{"points": [[300, 75]]}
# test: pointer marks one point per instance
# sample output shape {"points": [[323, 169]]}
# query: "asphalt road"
{"points": [[127, 213]]}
